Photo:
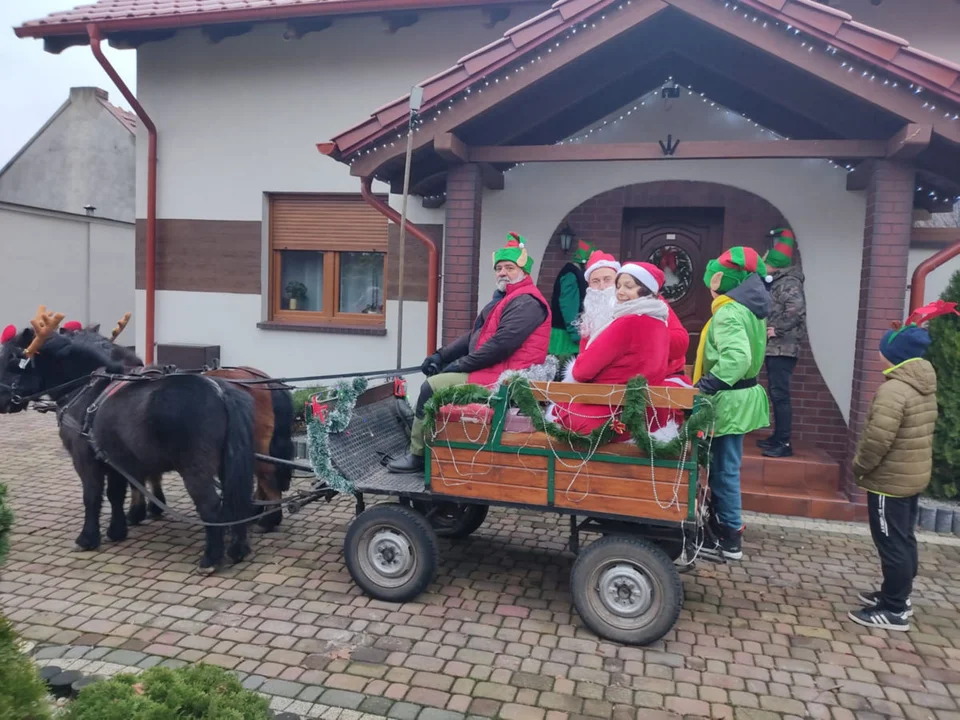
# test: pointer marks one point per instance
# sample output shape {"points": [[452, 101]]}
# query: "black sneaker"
{"points": [[731, 544], [872, 599], [779, 450], [883, 619], [764, 443]]}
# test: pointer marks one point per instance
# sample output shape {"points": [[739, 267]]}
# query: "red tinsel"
{"points": [[9, 332]]}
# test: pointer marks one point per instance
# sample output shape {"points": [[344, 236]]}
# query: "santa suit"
{"points": [[635, 344]]}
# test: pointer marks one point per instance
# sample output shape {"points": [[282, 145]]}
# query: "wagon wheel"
{"points": [[450, 519], [391, 553], [626, 590]]}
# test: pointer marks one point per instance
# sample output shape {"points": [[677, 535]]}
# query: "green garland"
{"points": [[633, 417], [335, 421]]}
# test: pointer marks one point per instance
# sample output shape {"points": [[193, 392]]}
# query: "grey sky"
{"points": [[35, 83]]}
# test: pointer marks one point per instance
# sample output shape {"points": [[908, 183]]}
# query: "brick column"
{"points": [[883, 286], [461, 255]]}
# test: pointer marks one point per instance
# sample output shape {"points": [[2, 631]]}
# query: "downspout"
{"points": [[918, 284], [93, 31], [433, 267]]}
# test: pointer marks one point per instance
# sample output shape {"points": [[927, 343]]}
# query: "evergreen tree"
{"points": [[944, 353]]}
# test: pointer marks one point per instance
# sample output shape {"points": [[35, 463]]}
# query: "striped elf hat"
{"points": [[783, 245], [732, 268]]}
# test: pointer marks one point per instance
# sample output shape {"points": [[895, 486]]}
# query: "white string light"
{"points": [[808, 43]]}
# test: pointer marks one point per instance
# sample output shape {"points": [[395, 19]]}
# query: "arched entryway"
{"points": [[686, 223]]}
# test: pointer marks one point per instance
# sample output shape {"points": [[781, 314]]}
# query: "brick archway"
{"points": [[747, 218]]}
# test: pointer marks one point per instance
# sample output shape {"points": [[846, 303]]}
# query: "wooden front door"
{"points": [[680, 241]]}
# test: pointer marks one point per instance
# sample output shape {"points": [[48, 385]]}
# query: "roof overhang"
{"points": [[798, 67], [131, 30]]}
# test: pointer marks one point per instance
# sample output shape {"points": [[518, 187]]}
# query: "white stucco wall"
{"points": [[811, 194], [243, 117], [82, 267]]}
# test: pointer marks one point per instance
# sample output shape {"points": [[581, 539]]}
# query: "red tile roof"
{"points": [[124, 15], [126, 118], [887, 52]]}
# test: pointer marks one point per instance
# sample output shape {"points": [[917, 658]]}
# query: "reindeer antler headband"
{"points": [[44, 325]]}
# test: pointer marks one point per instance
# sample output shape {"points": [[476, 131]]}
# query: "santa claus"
{"points": [[633, 341], [601, 296]]}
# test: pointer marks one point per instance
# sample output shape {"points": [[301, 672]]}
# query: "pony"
{"points": [[273, 436], [200, 427]]}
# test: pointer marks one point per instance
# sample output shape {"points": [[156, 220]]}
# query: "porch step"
{"points": [[805, 485]]}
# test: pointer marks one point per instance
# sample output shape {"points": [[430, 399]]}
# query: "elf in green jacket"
{"points": [[729, 358], [566, 304]]}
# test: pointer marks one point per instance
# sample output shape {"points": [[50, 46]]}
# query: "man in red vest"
{"points": [[511, 333]]}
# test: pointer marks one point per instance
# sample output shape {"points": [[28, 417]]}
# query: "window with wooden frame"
{"points": [[328, 257]]}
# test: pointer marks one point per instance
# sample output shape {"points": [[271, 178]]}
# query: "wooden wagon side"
{"points": [[480, 460]]}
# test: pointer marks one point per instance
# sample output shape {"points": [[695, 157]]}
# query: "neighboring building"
{"points": [[84, 156], [251, 216], [67, 235]]}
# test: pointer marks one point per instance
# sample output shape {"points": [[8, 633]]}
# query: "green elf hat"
{"points": [[732, 268], [784, 244], [516, 252], [582, 254]]}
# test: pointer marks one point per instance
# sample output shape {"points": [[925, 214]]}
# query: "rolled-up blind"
{"points": [[326, 222]]}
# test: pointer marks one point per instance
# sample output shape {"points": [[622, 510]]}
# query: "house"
{"points": [[67, 234], [645, 126]]}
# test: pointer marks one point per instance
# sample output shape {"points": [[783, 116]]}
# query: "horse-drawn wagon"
{"points": [[626, 585]]}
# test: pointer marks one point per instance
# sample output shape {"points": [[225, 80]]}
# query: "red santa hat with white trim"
{"points": [[647, 274], [599, 259]]}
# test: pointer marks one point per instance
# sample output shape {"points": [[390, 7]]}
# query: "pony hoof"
{"points": [[117, 534], [238, 555], [85, 543], [264, 528], [204, 569], [155, 511]]}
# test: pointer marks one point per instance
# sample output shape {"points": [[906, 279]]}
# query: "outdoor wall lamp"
{"points": [[566, 237]]}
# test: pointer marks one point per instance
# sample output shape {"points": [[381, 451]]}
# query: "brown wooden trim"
{"points": [[908, 107], [929, 238], [909, 142], [203, 255], [599, 394], [334, 328], [692, 150], [450, 147], [637, 12]]}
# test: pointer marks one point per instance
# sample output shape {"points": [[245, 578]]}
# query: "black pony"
{"points": [[200, 427]]}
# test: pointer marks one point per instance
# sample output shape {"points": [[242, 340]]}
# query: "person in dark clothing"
{"points": [[566, 304], [511, 333], [786, 328]]}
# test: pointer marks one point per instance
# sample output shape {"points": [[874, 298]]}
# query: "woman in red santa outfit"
{"points": [[635, 341]]}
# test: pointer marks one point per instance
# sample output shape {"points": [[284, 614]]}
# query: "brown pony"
{"points": [[272, 429]]}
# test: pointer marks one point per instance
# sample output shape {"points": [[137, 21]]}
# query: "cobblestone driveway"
{"points": [[496, 635]]}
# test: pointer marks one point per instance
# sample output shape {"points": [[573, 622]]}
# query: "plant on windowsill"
{"points": [[296, 294]]}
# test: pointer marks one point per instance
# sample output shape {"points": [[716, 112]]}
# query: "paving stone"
{"points": [[252, 682], [376, 705], [342, 699], [436, 714], [283, 688], [125, 657], [310, 693], [403, 711]]}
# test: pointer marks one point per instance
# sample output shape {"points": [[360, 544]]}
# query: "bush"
{"points": [[944, 353], [300, 398], [193, 691], [6, 523], [23, 695]]}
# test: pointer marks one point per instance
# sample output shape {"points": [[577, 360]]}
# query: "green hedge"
{"points": [[300, 398], [944, 353], [193, 691], [23, 695], [6, 523]]}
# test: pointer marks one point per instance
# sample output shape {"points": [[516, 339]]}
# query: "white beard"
{"points": [[597, 310]]}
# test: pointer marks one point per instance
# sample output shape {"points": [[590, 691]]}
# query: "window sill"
{"points": [[336, 328]]}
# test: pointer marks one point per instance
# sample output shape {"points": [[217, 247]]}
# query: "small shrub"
{"points": [[6, 523], [944, 353], [194, 691], [23, 695], [301, 396]]}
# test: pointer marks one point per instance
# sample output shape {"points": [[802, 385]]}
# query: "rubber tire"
{"points": [[656, 565], [423, 541], [468, 523]]}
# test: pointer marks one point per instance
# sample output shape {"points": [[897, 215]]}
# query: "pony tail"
{"points": [[281, 444], [236, 467]]}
